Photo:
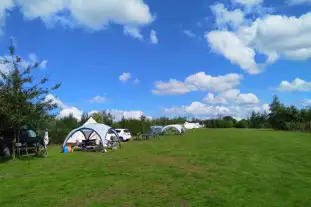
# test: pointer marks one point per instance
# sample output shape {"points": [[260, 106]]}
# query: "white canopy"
{"points": [[91, 131], [179, 128], [188, 125], [79, 136]]}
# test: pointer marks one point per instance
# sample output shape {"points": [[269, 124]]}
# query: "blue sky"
{"points": [[204, 58]]}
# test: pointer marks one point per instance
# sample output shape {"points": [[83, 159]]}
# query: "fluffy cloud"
{"points": [[247, 99], [91, 14], [225, 17], [34, 59], [118, 114], [55, 100], [136, 81], [189, 33], [201, 110], [5, 5], [124, 77], [295, 85], [98, 99], [212, 99], [75, 112], [133, 31], [65, 110], [153, 37], [172, 87], [248, 2], [296, 2], [230, 95], [220, 83], [230, 46], [198, 81], [306, 102], [273, 36]]}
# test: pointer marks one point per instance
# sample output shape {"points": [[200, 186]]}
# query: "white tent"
{"points": [[188, 125], [89, 131], [179, 128], [79, 136]]}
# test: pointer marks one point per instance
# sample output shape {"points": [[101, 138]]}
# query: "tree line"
{"points": [[280, 117], [60, 127]]}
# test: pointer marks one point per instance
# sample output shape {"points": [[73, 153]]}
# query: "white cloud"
{"points": [[230, 95], [136, 81], [133, 31], [172, 87], [247, 99], [225, 17], [248, 2], [98, 99], [220, 83], [306, 102], [33, 58], [212, 99], [196, 82], [92, 112], [92, 14], [5, 6], [55, 100], [201, 110], [76, 113], [296, 85], [153, 37], [274, 36], [189, 33], [230, 46], [124, 77], [65, 110], [296, 2], [118, 114]]}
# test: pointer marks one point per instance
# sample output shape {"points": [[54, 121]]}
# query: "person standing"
{"points": [[46, 142]]}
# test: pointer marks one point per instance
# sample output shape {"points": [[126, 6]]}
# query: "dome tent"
{"points": [[92, 130], [178, 128], [79, 136]]}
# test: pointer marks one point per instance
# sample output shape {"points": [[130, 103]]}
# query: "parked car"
{"points": [[124, 134], [28, 137]]}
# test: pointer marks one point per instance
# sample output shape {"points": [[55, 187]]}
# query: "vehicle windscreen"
{"points": [[126, 131], [118, 131]]}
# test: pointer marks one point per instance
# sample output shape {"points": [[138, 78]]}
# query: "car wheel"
{"points": [[121, 139]]}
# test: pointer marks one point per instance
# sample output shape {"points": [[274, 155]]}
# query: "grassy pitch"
{"points": [[207, 167]]}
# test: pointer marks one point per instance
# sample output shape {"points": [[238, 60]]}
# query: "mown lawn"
{"points": [[208, 167]]}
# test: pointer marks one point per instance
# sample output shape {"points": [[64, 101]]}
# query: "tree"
{"points": [[84, 118], [22, 101], [242, 124], [98, 117]]}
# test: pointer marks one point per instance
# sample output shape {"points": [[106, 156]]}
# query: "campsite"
{"points": [[141, 103], [204, 167]]}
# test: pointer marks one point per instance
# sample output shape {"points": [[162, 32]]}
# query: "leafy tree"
{"points": [[242, 124], [84, 118], [98, 117], [22, 101]]}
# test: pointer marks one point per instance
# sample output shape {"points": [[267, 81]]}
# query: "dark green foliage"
{"points": [[226, 122], [242, 124], [22, 99]]}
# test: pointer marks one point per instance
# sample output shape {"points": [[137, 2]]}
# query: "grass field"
{"points": [[208, 167]]}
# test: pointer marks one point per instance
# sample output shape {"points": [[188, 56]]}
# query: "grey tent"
{"points": [[178, 128]]}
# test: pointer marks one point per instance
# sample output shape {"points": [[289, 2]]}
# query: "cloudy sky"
{"points": [[196, 58]]}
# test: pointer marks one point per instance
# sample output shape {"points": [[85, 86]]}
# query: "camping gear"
{"points": [[93, 136]]}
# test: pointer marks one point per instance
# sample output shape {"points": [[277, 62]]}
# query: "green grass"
{"points": [[208, 167]]}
